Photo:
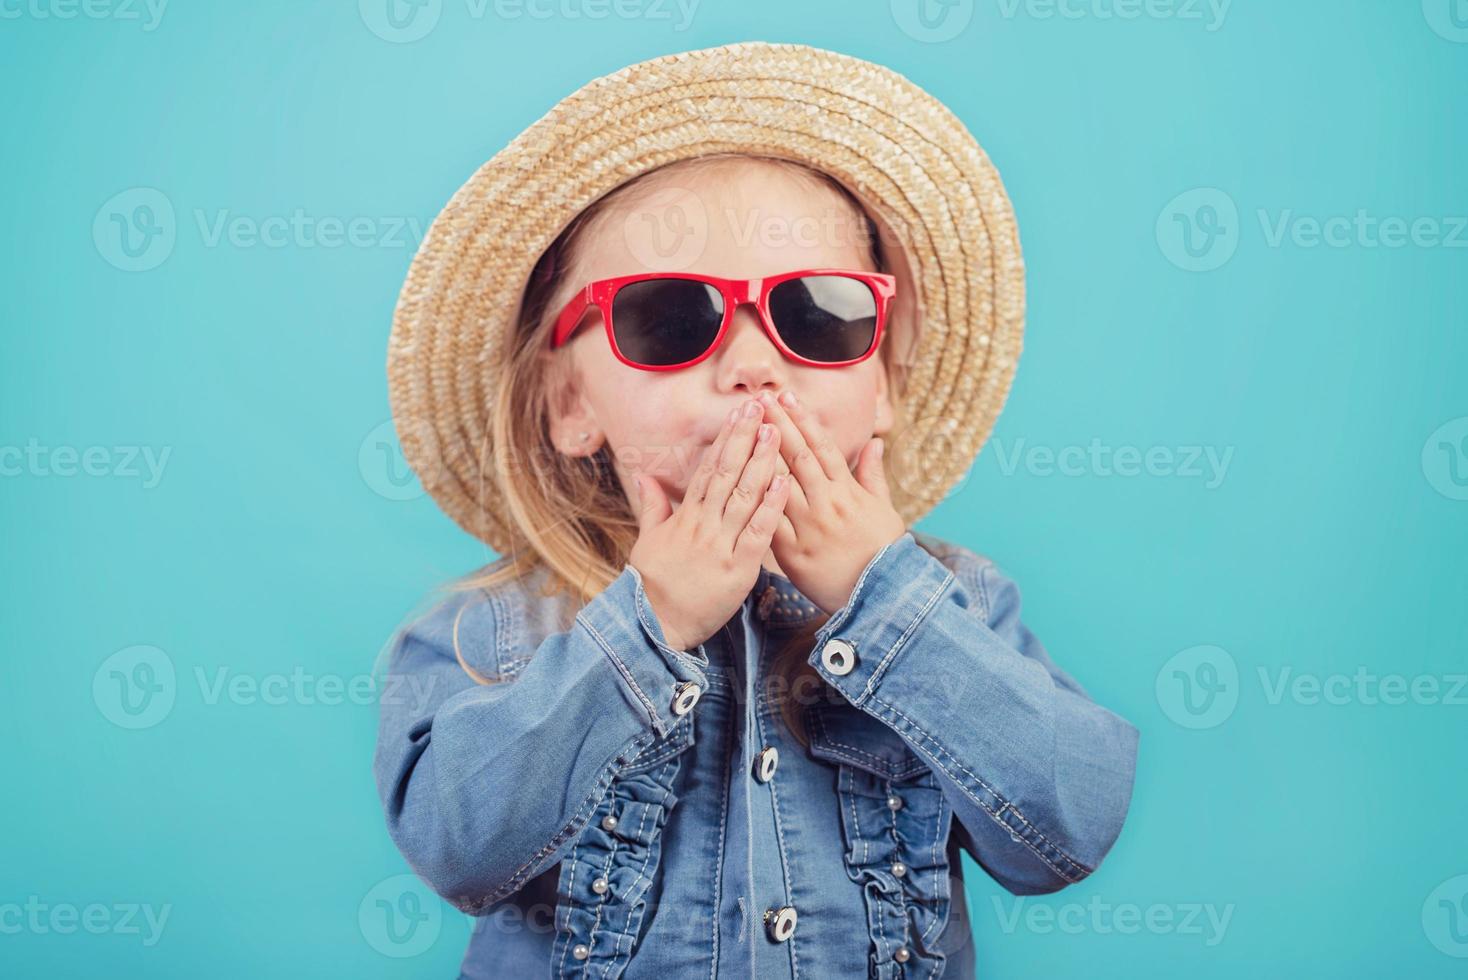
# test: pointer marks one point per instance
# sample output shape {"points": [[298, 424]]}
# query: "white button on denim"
{"points": [[765, 763], [898, 869], [894, 803], [608, 822], [838, 656], [580, 951], [901, 954], [600, 886], [686, 697], [781, 923]]}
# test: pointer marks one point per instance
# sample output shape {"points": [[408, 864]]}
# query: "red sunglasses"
{"points": [[663, 321]]}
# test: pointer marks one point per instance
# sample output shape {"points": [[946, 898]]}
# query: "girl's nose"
{"points": [[748, 360]]}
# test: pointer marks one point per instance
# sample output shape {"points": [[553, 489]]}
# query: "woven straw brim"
{"points": [[898, 148]]}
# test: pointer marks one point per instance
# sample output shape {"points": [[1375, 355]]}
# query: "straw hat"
{"points": [[930, 186]]}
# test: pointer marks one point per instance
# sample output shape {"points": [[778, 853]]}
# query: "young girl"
{"points": [[718, 711]]}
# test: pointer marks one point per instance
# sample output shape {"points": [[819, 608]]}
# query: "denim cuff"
{"points": [[621, 620], [895, 592]]}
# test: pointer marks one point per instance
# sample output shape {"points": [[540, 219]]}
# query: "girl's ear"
{"points": [[573, 425], [884, 418]]}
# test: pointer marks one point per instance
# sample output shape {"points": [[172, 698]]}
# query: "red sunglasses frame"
{"points": [[736, 293]]}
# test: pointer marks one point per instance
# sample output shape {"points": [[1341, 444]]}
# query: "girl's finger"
{"points": [[797, 504], [820, 442], [754, 539], [757, 474], [785, 536], [732, 459], [698, 485], [651, 503], [804, 465]]}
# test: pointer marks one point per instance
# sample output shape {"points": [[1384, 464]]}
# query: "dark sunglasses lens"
{"points": [[658, 322], [825, 318]]}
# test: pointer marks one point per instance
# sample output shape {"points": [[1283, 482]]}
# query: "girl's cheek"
{"points": [[669, 452]]}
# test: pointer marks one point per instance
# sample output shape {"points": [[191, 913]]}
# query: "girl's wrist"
{"points": [[673, 635]]}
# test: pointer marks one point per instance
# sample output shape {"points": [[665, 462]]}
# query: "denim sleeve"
{"points": [[1039, 776], [486, 786]]}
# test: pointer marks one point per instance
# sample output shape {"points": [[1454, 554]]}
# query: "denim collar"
{"points": [[778, 602]]}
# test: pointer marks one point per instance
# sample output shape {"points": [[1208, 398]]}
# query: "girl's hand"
{"points": [[698, 563], [835, 522]]}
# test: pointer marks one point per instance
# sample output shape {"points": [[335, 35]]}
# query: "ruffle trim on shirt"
{"points": [[625, 858], [906, 912]]}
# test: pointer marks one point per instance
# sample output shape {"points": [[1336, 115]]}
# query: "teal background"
{"points": [[1334, 541]]}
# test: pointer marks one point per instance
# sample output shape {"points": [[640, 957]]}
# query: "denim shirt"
{"points": [[614, 807]]}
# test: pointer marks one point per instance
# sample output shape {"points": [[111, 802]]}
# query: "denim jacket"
{"points": [[614, 807]]}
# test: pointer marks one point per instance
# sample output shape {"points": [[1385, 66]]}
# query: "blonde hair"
{"points": [[571, 517]]}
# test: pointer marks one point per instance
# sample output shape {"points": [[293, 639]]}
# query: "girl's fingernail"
{"points": [[777, 484], [787, 398], [751, 409], [764, 432], [733, 416]]}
